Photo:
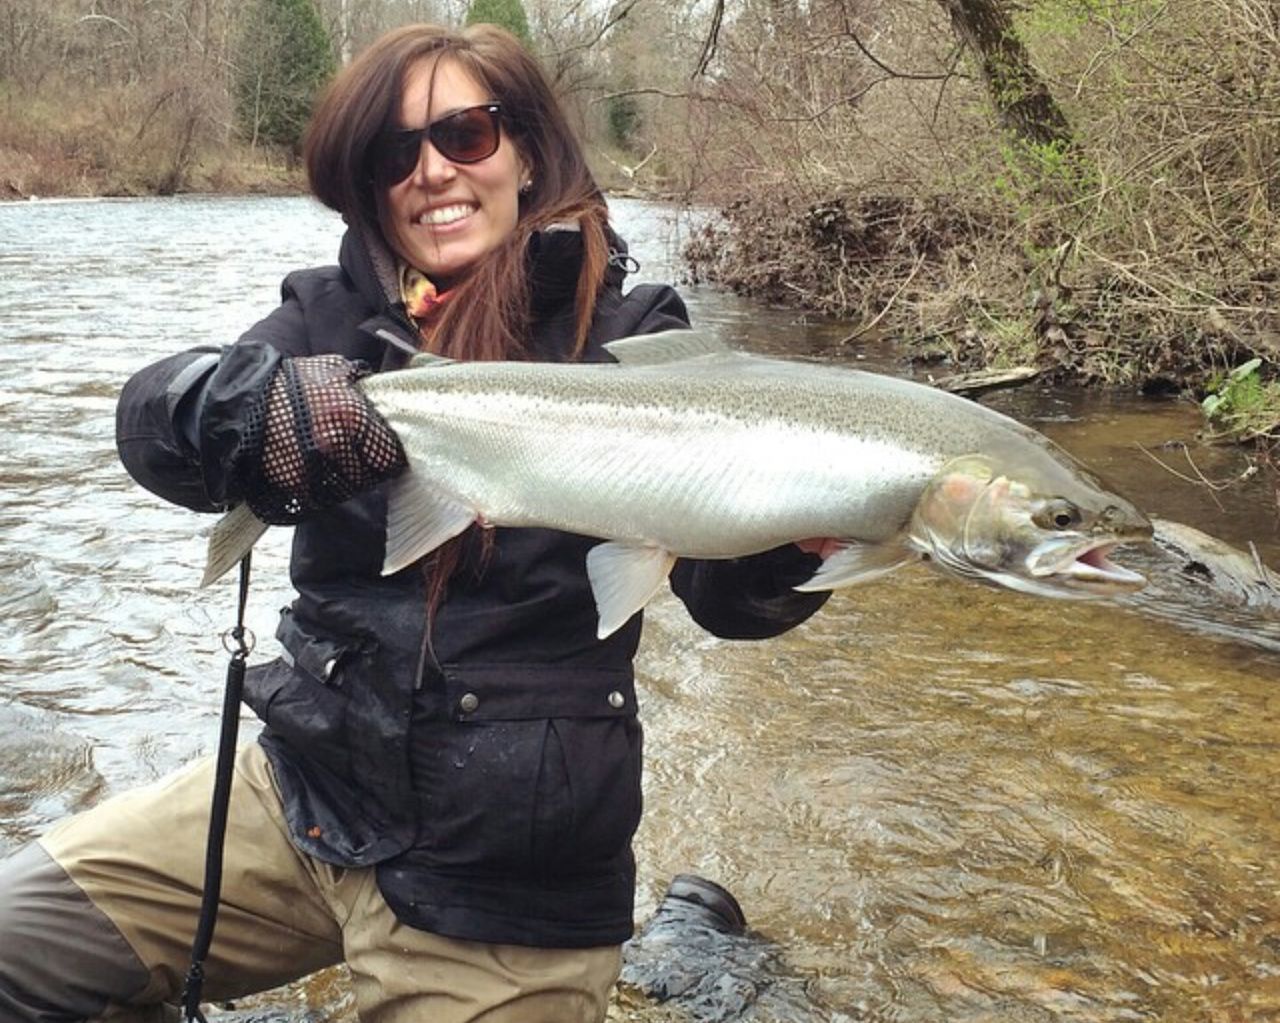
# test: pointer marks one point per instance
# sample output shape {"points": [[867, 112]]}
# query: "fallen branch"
{"points": [[982, 381]]}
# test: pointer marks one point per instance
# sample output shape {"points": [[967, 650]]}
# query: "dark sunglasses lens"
{"points": [[467, 136], [395, 155]]}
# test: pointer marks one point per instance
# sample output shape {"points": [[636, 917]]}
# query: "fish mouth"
{"points": [[1085, 570]]}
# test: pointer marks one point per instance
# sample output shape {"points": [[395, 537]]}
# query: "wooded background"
{"points": [[1085, 185]]}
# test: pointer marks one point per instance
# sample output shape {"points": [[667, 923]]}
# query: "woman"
{"points": [[447, 785]]}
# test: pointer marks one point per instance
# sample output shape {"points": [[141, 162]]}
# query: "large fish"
{"points": [[687, 448]]}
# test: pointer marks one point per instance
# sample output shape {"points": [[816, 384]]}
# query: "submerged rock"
{"points": [[1238, 577], [1203, 585]]}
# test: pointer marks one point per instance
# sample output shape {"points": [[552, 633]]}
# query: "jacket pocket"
{"points": [[300, 695], [536, 772]]}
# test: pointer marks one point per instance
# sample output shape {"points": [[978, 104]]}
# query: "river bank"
{"points": [[964, 284], [129, 141], [51, 172]]}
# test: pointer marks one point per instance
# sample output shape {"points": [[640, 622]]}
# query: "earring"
{"points": [[526, 187]]}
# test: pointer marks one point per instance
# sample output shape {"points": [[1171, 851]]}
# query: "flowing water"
{"points": [[942, 802]]}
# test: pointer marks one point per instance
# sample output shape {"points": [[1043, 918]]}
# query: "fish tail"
{"points": [[230, 540]]}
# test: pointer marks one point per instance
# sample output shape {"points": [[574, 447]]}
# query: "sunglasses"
{"points": [[465, 136]]}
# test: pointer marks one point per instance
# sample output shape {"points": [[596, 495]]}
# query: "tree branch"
{"points": [[892, 72], [710, 43]]}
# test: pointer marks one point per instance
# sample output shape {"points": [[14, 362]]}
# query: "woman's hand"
{"points": [[822, 546], [322, 440]]}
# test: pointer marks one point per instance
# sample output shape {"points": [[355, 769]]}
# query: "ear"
{"points": [[524, 172]]}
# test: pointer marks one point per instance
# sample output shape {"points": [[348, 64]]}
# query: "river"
{"points": [[943, 802]]}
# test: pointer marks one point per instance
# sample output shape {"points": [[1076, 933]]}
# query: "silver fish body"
{"points": [[709, 459], [686, 448], [713, 458]]}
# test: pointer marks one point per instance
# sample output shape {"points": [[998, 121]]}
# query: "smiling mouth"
{"points": [[442, 216]]}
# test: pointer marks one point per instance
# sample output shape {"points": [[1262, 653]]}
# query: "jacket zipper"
{"points": [[401, 344]]}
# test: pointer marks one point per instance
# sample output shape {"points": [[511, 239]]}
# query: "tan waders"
{"points": [[139, 858]]}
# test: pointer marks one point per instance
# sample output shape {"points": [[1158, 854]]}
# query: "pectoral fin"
{"points": [[857, 563], [231, 538], [623, 578], [419, 519]]}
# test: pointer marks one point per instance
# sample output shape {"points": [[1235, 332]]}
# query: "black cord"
{"points": [[218, 811]]}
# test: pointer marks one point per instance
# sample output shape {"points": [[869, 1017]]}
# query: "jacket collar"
{"points": [[555, 257], [371, 265]]}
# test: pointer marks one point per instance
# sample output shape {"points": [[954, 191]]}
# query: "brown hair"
{"points": [[488, 316]]}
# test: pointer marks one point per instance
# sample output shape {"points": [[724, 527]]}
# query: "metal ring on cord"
{"points": [[242, 644]]}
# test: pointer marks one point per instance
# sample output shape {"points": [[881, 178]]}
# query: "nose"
{"points": [[433, 168]]}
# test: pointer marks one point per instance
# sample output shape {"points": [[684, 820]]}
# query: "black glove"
{"points": [[322, 441]]}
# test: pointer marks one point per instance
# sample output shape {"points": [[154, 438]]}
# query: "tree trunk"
{"points": [[344, 30], [1021, 98]]}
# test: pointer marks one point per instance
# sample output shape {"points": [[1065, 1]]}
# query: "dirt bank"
{"points": [[968, 286]]}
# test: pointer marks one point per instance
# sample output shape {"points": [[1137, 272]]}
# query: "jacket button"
{"points": [[616, 700], [468, 703]]}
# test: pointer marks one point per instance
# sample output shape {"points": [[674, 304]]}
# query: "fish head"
{"points": [[1042, 529]]}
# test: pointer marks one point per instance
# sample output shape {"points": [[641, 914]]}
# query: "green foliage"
{"points": [[1055, 18], [285, 56], [1234, 391], [1240, 403], [1053, 169], [508, 14], [1012, 342], [1068, 20], [624, 120]]}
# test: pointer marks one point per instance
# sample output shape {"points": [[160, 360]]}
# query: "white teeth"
{"points": [[445, 214]]}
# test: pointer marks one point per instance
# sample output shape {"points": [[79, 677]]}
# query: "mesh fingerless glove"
{"points": [[321, 441]]}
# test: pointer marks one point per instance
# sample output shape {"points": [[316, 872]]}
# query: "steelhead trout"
{"points": [[687, 448]]}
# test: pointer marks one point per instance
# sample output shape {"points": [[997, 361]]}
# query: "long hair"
{"points": [[488, 316]]}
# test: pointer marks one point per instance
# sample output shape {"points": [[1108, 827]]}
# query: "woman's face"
{"points": [[446, 216]]}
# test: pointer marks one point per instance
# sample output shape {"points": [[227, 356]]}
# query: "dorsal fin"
{"points": [[667, 346], [424, 359]]}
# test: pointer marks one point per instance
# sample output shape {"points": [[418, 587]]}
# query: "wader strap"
{"points": [[221, 799]]}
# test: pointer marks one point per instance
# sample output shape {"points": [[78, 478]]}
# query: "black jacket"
{"points": [[489, 766]]}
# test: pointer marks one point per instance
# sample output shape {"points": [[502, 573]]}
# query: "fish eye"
{"points": [[1059, 514]]}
